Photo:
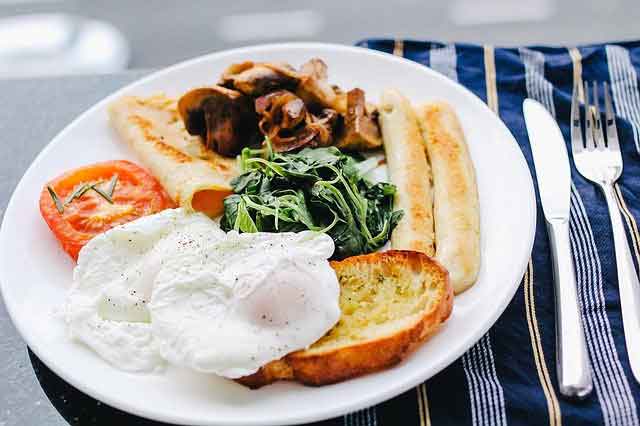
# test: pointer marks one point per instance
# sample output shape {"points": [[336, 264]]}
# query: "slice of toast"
{"points": [[390, 301]]}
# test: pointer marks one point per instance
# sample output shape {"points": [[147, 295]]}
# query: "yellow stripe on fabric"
{"points": [[631, 222], [398, 48], [423, 405], [421, 410], [553, 406], [490, 78], [576, 58]]}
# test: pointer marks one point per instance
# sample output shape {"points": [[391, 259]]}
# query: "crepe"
{"points": [[195, 177], [409, 171], [456, 206]]}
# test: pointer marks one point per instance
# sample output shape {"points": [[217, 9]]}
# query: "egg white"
{"points": [[173, 287]]}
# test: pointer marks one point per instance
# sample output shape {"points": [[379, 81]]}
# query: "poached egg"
{"points": [[173, 287]]}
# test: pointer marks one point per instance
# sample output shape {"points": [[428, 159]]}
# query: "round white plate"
{"points": [[35, 273]]}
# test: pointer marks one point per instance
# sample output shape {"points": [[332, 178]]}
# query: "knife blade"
{"points": [[553, 174], [550, 158]]}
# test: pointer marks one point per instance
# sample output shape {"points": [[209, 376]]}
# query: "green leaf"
{"points": [[230, 212], [318, 189], [56, 199], [112, 185], [101, 193], [244, 222], [79, 192]]}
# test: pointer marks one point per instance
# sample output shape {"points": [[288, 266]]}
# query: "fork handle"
{"points": [[572, 362], [628, 284]]}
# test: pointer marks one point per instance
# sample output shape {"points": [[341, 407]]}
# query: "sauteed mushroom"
{"points": [[255, 79], [316, 68], [293, 108], [288, 124], [360, 127], [310, 83], [314, 87], [224, 118]]}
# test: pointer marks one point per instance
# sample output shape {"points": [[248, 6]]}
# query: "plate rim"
{"points": [[323, 413]]}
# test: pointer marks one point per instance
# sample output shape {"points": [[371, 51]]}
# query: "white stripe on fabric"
{"points": [[496, 406], [609, 378], [537, 87], [542, 90], [486, 394], [624, 85], [364, 417], [627, 412], [597, 328], [616, 402], [443, 60], [485, 391], [480, 391], [348, 419], [588, 277], [495, 384], [473, 390]]}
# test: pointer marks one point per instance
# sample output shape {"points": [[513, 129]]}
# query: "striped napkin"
{"points": [[509, 377]]}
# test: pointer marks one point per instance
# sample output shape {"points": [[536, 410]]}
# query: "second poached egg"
{"points": [[174, 287]]}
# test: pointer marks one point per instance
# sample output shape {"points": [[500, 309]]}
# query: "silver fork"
{"points": [[600, 161]]}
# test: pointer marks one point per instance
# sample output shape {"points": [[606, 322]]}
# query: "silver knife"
{"points": [[554, 184]]}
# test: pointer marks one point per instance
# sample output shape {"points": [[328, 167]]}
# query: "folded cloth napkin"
{"points": [[509, 376]]}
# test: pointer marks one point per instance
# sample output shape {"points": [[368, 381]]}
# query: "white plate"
{"points": [[35, 272]]}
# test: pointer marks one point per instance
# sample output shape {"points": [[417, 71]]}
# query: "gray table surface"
{"points": [[31, 113]]}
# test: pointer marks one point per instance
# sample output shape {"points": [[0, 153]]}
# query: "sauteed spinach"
{"points": [[319, 189]]}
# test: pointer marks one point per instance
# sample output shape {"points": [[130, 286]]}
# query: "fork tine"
{"points": [[610, 120], [588, 127], [577, 142], [597, 128]]}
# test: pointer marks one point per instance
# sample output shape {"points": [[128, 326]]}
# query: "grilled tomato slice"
{"points": [[87, 201]]}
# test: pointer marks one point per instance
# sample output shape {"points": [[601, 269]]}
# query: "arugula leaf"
{"points": [[319, 189], [244, 222]]}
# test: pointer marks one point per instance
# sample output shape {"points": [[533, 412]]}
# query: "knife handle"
{"points": [[572, 362]]}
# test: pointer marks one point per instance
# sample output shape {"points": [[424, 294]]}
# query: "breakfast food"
{"points": [[195, 178], [174, 287], [292, 108], [270, 265], [288, 124], [87, 201], [318, 189], [456, 209], [410, 172], [310, 82], [223, 118], [390, 303]]}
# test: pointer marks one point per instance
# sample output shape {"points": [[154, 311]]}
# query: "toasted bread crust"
{"points": [[319, 367], [272, 372]]}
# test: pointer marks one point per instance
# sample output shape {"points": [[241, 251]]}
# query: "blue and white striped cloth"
{"points": [[508, 377]]}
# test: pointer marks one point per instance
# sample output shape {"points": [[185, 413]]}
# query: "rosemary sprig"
{"points": [[79, 192], [56, 199], [101, 193], [112, 185]]}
